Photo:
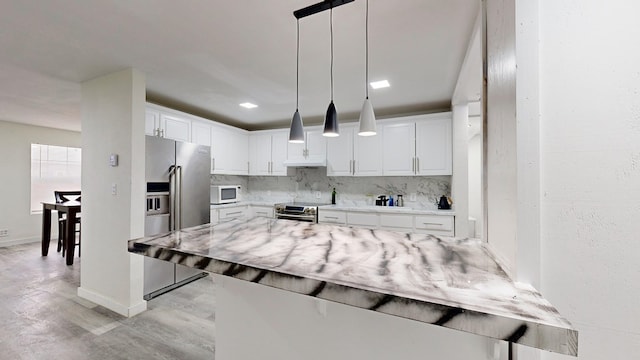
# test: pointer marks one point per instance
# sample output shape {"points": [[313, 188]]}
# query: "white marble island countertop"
{"points": [[455, 283]]}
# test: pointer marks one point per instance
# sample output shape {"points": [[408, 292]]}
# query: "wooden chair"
{"points": [[64, 196]]}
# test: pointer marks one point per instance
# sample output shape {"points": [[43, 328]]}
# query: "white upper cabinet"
{"points": [[268, 152], [418, 145], [201, 133], [433, 147], [170, 126], [229, 151], [340, 152], [352, 155], [312, 151], [399, 149]]}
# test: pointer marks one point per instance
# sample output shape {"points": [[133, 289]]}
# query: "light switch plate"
{"points": [[113, 159], [318, 194]]}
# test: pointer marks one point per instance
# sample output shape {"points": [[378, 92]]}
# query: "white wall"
{"points": [[590, 195], [15, 170], [113, 122], [475, 182], [501, 132]]}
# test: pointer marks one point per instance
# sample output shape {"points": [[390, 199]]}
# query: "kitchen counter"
{"points": [[454, 283], [387, 209]]}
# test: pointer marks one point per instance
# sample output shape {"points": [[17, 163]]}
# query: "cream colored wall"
{"points": [[15, 177]]}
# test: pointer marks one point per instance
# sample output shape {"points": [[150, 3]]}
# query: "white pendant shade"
{"points": [[367, 119], [296, 132]]}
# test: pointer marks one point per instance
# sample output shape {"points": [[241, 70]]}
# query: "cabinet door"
{"points": [[239, 153], [340, 153], [433, 147], [260, 154], [175, 128], [201, 133], [367, 154], [399, 148], [279, 141], [151, 122], [316, 144]]}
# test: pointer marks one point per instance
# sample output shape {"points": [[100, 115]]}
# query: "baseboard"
{"points": [[109, 303], [11, 242]]}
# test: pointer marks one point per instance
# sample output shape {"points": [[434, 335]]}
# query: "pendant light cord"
{"points": [[366, 37], [331, 32], [297, 61]]}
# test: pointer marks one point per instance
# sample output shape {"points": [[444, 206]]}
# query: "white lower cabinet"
{"points": [[434, 224], [213, 216], [262, 211], [233, 213], [409, 223], [332, 217], [399, 222], [367, 220]]}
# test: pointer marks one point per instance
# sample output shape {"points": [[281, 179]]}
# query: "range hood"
{"points": [[311, 162]]}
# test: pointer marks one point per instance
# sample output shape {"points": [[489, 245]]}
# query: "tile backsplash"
{"points": [[306, 182]]}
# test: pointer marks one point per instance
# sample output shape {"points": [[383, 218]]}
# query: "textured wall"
{"points": [[590, 142]]}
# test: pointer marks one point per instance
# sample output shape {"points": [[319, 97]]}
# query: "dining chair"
{"points": [[61, 197]]}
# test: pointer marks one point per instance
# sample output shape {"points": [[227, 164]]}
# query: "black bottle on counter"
{"points": [[333, 197]]}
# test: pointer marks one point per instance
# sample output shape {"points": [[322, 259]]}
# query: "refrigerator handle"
{"points": [[179, 198], [172, 197]]}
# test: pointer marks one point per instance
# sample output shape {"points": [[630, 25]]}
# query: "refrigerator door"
{"points": [[194, 182], [160, 155]]}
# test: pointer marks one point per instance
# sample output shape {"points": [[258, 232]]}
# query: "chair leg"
{"points": [[60, 234]]}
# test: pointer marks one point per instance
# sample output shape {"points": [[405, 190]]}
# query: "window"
{"points": [[53, 168]]}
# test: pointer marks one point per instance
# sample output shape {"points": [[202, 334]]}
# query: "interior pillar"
{"points": [[113, 196]]}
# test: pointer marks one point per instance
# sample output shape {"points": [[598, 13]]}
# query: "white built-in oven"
{"points": [[225, 194]]}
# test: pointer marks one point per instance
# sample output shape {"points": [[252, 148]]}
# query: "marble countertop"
{"points": [[455, 283], [387, 209]]}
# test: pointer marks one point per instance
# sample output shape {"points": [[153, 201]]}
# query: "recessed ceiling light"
{"points": [[379, 84], [248, 105]]}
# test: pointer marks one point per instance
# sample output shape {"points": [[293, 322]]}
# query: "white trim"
{"points": [[11, 242], [111, 304]]}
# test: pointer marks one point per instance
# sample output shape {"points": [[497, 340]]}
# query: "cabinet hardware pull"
{"points": [[234, 213], [354, 167], [331, 217], [413, 165], [213, 164], [433, 224], [417, 165]]}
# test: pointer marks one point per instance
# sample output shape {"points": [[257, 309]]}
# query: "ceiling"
{"points": [[206, 57]]}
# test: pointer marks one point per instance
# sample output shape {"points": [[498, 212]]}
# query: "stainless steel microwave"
{"points": [[225, 194]]}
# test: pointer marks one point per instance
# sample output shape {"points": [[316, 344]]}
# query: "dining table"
{"points": [[71, 208]]}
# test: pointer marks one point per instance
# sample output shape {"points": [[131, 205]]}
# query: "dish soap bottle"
{"points": [[390, 200], [333, 197]]}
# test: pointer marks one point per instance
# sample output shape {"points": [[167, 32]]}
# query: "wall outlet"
{"points": [[4, 232], [318, 194], [114, 189], [413, 197]]}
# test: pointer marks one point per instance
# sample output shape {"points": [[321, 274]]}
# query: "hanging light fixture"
{"points": [[296, 131], [367, 117], [331, 119]]}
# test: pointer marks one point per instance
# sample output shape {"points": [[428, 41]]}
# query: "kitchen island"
{"points": [[453, 283]]}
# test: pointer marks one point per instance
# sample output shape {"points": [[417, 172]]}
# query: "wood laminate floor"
{"points": [[42, 317]]}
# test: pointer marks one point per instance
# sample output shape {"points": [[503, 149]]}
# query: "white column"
{"points": [[460, 178], [113, 197]]}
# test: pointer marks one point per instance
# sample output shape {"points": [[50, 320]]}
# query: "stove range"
{"points": [[301, 211]]}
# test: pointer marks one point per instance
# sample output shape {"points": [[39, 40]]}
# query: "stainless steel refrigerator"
{"points": [[178, 186]]}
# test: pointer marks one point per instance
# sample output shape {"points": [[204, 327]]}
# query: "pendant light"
{"points": [[367, 117], [296, 131], [331, 119]]}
